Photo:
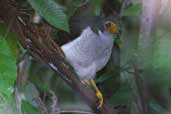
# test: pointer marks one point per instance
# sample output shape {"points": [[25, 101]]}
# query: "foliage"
{"points": [[58, 15], [28, 108], [97, 6], [51, 12], [157, 109], [8, 68], [133, 10]]}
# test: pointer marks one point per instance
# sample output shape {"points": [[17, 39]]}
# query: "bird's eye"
{"points": [[110, 27], [108, 24]]}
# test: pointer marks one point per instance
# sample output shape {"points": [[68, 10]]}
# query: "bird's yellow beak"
{"points": [[111, 27]]}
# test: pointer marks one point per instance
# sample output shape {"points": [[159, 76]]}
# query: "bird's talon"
{"points": [[100, 97], [86, 82]]}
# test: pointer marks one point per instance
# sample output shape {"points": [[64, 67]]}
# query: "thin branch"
{"points": [[42, 107], [59, 111], [149, 19], [145, 108], [54, 104]]}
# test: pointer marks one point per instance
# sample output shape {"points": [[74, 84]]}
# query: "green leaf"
{"points": [[51, 12], [157, 109], [11, 39], [104, 77], [161, 59], [96, 6], [8, 68], [28, 108], [123, 95], [133, 10], [72, 6]]}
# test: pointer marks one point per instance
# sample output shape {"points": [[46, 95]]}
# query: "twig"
{"points": [[20, 81], [54, 103], [42, 107], [74, 111]]}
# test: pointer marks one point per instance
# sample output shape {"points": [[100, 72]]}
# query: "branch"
{"points": [[42, 47], [149, 18]]}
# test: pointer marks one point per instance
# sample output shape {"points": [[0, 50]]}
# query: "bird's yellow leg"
{"points": [[98, 93]]}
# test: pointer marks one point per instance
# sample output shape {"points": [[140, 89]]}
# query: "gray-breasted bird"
{"points": [[90, 52]]}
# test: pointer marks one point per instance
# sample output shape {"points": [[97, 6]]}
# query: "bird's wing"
{"points": [[105, 51], [103, 59]]}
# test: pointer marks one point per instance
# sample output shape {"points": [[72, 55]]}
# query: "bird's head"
{"points": [[111, 27]]}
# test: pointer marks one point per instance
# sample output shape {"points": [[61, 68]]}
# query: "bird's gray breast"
{"points": [[88, 53], [105, 52]]}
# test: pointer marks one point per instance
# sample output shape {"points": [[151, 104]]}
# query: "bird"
{"points": [[90, 52]]}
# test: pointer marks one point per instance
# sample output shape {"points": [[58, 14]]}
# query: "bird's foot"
{"points": [[100, 97], [97, 91], [86, 82]]}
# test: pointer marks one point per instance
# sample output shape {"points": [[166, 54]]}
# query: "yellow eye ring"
{"points": [[111, 27]]}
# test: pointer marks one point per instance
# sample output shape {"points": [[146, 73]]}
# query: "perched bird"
{"points": [[90, 52]]}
